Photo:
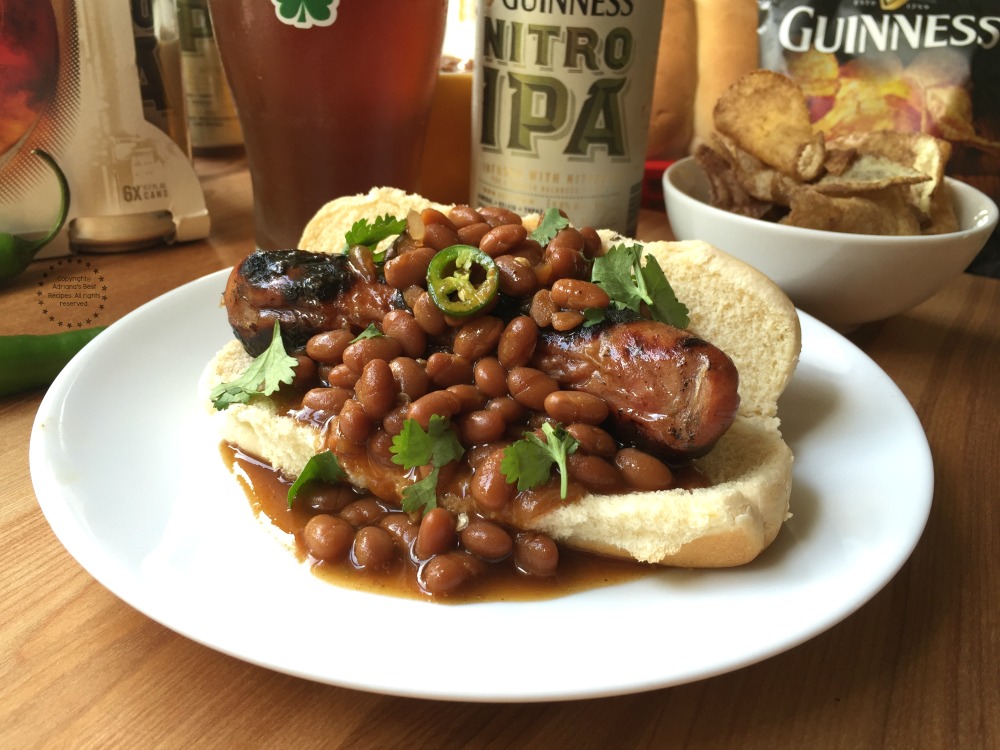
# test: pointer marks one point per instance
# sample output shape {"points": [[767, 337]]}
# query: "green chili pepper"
{"points": [[16, 252], [28, 362], [462, 280]]}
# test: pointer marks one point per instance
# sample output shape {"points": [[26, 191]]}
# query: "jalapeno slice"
{"points": [[462, 280]]}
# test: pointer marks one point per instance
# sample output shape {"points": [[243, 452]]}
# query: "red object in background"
{"points": [[652, 185], [29, 66]]}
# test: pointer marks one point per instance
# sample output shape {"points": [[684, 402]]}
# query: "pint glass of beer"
{"points": [[333, 97]]}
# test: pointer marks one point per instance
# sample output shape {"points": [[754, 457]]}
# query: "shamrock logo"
{"points": [[304, 14]]}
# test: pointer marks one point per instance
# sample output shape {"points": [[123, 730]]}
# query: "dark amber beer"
{"points": [[333, 97]]}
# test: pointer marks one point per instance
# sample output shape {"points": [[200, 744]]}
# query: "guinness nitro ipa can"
{"points": [[561, 106]]}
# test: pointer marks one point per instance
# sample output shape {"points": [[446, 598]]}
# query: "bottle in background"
{"points": [[562, 105], [158, 58], [211, 113]]}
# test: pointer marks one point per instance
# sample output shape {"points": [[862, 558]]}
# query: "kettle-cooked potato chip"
{"points": [[883, 212], [870, 182], [765, 114]]}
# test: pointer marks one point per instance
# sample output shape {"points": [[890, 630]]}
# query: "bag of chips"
{"points": [[923, 67]]}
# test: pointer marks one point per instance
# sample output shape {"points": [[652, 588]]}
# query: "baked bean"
{"points": [[444, 403], [535, 554], [501, 239], [576, 294], [436, 534], [379, 447], [402, 326], [354, 425], [593, 471], [376, 389], [490, 376], [362, 351], [439, 236], [529, 386], [642, 470], [328, 400], [409, 268], [542, 308], [478, 337], [373, 548], [487, 540], [411, 294], [401, 528], [429, 315], [470, 397], [432, 216], [328, 347], [567, 320], [411, 378], [361, 259], [508, 408], [324, 496], [445, 573], [392, 423], [463, 216], [570, 237], [518, 341], [328, 538], [480, 427], [472, 234], [341, 376], [564, 262], [516, 276], [362, 512], [593, 440], [496, 216], [593, 246], [576, 406], [445, 368], [306, 373], [530, 250], [490, 488]]}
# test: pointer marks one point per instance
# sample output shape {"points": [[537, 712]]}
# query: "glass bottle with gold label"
{"points": [[212, 117]]}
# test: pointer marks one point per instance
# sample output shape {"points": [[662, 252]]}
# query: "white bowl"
{"points": [[842, 279]]}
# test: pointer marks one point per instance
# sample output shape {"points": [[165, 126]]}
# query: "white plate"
{"points": [[133, 485]]}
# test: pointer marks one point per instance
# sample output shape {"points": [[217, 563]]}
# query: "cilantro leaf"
{"points": [[371, 332], [529, 460], [422, 495], [663, 303], [370, 234], [323, 467], [264, 375], [552, 221], [614, 273], [631, 283], [592, 316], [436, 446]]}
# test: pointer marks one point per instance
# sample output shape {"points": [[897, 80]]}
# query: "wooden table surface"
{"points": [[916, 667]]}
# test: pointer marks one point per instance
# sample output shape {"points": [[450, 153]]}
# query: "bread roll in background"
{"points": [[727, 48], [705, 45], [671, 124]]}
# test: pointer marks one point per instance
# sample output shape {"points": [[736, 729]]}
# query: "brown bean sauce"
{"points": [[267, 493]]}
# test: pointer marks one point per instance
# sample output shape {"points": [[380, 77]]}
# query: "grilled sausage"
{"points": [[669, 392]]}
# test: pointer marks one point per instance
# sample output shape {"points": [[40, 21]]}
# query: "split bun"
{"points": [[750, 468]]}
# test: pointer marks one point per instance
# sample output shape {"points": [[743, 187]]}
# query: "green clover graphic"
{"points": [[304, 14]]}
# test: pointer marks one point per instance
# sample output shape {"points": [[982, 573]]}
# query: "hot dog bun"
{"points": [[731, 304], [671, 123], [705, 45]]}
